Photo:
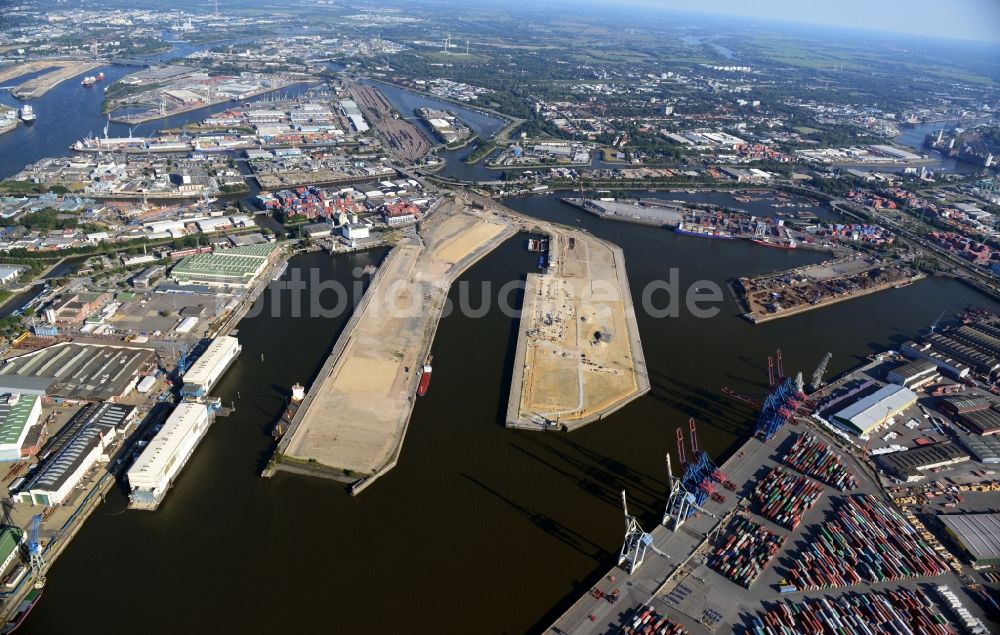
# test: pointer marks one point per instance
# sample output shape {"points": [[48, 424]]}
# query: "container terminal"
{"points": [[804, 522]]}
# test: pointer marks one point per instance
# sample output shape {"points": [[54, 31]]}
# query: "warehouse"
{"points": [[154, 471], [982, 422], [956, 405], [17, 414], [911, 464], [10, 546], [211, 366], [983, 449], [913, 374], [236, 267], [868, 413], [69, 370], [947, 365], [977, 534], [74, 451]]}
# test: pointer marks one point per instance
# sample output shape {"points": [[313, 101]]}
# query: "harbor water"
{"points": [[477, 525]]}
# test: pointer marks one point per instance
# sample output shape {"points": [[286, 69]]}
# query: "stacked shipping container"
{"points": [[746, 553], [784, 497], [869, 542], [814, 458]]}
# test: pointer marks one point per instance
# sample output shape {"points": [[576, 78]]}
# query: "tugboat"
{"points": [[27, 114], [88, 81], [425, 378]]}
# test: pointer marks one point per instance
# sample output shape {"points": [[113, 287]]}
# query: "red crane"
{"points": [[781, 370], [750, 401], [694, 437], [770, 371], [680, 446]]}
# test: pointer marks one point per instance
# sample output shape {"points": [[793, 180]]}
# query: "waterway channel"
{"points": [[477, 527]]}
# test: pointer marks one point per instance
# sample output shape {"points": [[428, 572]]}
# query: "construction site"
{"points": [[354, 417], [578, 355], [404, 140], [793, 291], [58, 72]]}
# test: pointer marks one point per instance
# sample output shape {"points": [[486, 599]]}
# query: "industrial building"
{"points": [[983, 449], [982, 422], [954, 368], [235, 267], [10, 546], [868, 413], [9, 274], [913, 374], [81, 444], [154, 471], [911, 464], [69, 370], [17, 414], [211, 366], [956, 405], [977, 534], [75, 308], [966, 344], [144, 278]]}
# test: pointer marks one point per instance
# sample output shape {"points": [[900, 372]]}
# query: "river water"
{"points": [[478, 528]]}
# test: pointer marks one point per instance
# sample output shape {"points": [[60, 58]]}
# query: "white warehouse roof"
{"points": [[219, 353], [161, 454], [868, 412]]}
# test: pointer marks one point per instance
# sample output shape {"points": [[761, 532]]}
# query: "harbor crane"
{"points": [[680, 447], [680, 502], [34, 545], [936, 322], [817, 376], [636, 542]]}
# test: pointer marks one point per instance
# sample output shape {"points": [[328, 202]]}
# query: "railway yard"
{"points": [[785, 293], [404, 140]]}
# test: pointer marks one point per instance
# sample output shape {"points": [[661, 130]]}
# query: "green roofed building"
{"points": [[10, 539], [236, 267], [17, 414]]}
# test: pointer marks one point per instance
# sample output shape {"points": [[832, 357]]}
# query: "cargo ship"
{"points": [[28, 603], [783, 244], [285, 420], [703, 231], [27, 114], [425, 378]]}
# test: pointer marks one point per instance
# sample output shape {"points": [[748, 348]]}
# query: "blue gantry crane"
{"points": [[35, 558]]}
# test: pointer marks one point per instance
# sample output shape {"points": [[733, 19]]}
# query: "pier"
{"points": [[353, 420], [578, 355]]}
